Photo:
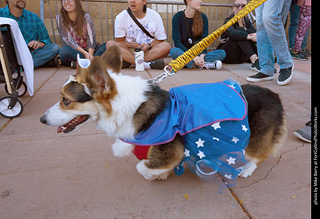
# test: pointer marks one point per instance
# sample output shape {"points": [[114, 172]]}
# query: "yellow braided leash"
{"points": [[194, 51]]}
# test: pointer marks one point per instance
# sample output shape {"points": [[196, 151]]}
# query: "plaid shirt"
{"points": [[30, 24]]}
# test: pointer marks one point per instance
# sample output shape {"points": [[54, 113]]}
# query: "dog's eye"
{"points": [[66, 101]]}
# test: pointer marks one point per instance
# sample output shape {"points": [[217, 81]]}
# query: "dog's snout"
{"points": [[43, 119]]}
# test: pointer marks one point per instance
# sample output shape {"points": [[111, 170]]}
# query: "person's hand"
{"points": [[88, 56], [252, 36], [35, 44], [144, 47], [199, 61], [134, 45]]}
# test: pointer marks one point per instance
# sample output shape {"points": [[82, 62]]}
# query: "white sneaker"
{"points": [[214, 65]]}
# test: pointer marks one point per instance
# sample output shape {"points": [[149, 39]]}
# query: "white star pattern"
{"points": [[228, 176], [186, 152], [199, 143], [244, 128], [235, 140], [201, 154], [215, 139], [231, 160], [232, 86], [216, 125]]}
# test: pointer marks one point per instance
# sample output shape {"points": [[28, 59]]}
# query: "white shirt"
{"points": [[126, 27]]}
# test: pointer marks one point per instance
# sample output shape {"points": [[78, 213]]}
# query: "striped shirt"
{"points": [[30, 24]]}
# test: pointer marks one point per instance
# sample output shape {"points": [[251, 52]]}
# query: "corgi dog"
{"points": [[125, 106]]}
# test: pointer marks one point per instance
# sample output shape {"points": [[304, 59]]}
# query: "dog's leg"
{"points": [[248, 168], [151, 174], [121, 149], [163, 159]]}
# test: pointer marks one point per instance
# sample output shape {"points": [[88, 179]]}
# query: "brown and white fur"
{"points": [[122, 106]]}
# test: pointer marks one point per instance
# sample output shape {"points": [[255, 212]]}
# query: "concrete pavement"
{"points": [[48, 175]]}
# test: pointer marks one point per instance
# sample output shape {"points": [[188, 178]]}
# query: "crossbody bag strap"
{"points": [[138, 23]]}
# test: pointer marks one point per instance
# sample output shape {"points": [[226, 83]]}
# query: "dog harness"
{"points": [[212, 120]]}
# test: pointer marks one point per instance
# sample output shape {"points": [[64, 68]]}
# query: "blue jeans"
{"points": [[67, 54], [271, 36], [212, 56], [42, 55], [293, 27]]}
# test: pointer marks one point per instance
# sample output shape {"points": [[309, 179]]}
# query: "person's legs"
{"points": [[232, 50], [305, 40], [265, 51], [215, 55], [158, 51], [294, 22], [272, 14], [100, 50], [304, 24], [248, 49], [67, 54], [126, 53], [175, 52], [42, 55], [293, 27]]}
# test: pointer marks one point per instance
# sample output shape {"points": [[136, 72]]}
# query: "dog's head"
{"points": [[83, 94]]}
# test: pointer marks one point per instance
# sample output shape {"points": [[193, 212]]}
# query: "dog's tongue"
{"points": [[71, 125], [65, 129]]}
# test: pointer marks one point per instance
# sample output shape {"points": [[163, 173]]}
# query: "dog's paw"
{"points": [[121, 149], [164, 176], [145, 171], [247, 169], [152, 174]]}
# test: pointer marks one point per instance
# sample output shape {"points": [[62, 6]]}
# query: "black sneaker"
{"points": [[157, 64], [52, 63], [285, 76], [259, 77], [299, 56], [255, 66], [55, 62]]}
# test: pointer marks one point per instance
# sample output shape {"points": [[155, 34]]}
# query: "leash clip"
{"points": [[167, 72]]}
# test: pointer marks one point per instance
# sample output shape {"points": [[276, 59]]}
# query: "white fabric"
{"points": [[126, 27], [23, 54]]}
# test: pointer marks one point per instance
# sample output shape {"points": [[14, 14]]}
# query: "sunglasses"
{"points": [[239, 5]]}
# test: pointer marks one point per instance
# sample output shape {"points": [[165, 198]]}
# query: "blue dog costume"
{"points": [[212, 119]]}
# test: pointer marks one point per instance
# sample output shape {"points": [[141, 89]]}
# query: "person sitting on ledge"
{"points": [[78, 34], [43, 51], [239, 40], [188, 28], [129, 36]]}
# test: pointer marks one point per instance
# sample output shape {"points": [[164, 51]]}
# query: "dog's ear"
{"points": [[112, 58], [98, 78]]}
